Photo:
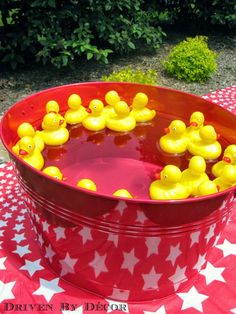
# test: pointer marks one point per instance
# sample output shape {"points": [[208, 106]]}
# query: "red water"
{"points": [[115, 160]]}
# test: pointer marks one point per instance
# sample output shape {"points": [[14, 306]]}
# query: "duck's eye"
{"points": [[55, 120], [56, 177], [165, 176], [200, 120], [174, 128], [94, 107], [29, 146]]}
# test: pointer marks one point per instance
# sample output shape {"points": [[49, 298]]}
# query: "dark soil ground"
{"points": [[15, 85]]}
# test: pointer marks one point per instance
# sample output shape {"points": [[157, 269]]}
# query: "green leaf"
{"points": [[131, 45], [89, 55], [52, 3]]}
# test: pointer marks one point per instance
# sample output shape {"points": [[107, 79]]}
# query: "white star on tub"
{"points": [[40, 239], [227, 248], [45, 226], [130, 260], [18, 227], [19, 237], [49, 253], [122, 306], [113, 238], [32, 266], [151, 279], [178, 277], [3, 223], [67, 265], [48, 288], [60, 233], [174, 254], [141, 217], [194, 238], [152, 244], [22, 250], [233, 310], [210, 233], [212, 273], [200, 262], [119, 294], [192, 299], [2, 260], [120, 207], [5, 289], [161, 310], [85, 233], [98, 264], [79, 310]]}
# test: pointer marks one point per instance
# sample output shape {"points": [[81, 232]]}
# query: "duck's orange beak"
{"points": [[158, 176], [23, 152], [218, 188], [61, 122], [194, 124], [217, 136], [88, 110], [167, 130], [227, 159]]}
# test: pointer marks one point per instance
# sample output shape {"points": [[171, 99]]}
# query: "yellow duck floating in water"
{"points": [[95, 121], [30, 153], [139, 110], [174, 142], [194, 175], [52, 106], [207, 146], [196, 122], [54, 172], [26, 129], [77, 113], [227, 178], [53, 134], [123, 121], [206, 188], [168, 186], [111, 98], [122, 193], [229, 158], [87, 184]]}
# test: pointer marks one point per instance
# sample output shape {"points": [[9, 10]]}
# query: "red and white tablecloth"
{"points": [[27, 285]]}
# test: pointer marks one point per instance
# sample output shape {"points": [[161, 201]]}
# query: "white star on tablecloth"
{"points": [[152, 244], [79, 310], [178, 277], [151, 279], [20, 218], [32, 266], [130, 260], [67, 264], [18, 227], [1, 244], [7, 215], [195, 238], [227, 248], [212, 273], [40, 239], [6, 204], [60, 233], [2, 260], [45, 226], [5, 290], [113, 238], [49, 252], [193, 299], [19, 237], [22, 250], [174, 254], [200, 262], [161, 310], [13, 208], [1, 233], [122, 306], [85, 233], [210, 233], [98, 264], [48, 288], [3, 223]]}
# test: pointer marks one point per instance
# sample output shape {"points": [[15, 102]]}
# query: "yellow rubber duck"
{"points": [[95, 121], [26, 129], [194, 175], [123, 121], [87, 184], [53, 134], [206, 188], [196, 122], [174, 142], [111, 98], [139, 110], [168, 186], [52, 106], [122, 193], [30, 153], [77, 113], [207, 146], [229, 158], [227, 178], [54, 172]]}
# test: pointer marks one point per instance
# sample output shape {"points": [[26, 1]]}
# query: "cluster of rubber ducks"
{"points": [[199, 139]]}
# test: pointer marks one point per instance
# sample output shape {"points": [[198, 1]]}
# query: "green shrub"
{"points": [[191, 60], [128, 74], [59, 31]]}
